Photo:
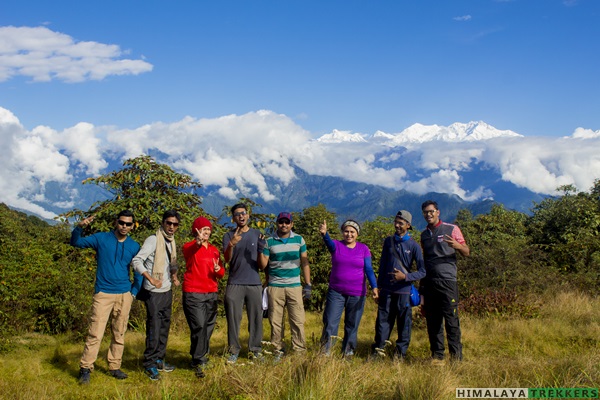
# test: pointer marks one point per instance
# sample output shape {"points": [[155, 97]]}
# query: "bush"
{"points": [[45, 285]]}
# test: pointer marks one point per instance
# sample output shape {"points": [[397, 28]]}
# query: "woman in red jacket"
{"points": [[203, 269]]}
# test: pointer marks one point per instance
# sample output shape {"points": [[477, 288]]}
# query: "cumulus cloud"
{"points": [[582, 133], [45, 55], [29, 162], [256, 155], [445, 181]]}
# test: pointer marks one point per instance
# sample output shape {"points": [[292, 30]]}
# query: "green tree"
{"points": [[503, 267], [148, 189], [501, 256], [307, 224], [567, 228]]}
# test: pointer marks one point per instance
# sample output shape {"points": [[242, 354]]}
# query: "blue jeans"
{"points": [[393, 308], [335, 304]]}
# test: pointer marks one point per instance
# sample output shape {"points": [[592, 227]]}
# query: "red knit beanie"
{"points": [[200, 223]]}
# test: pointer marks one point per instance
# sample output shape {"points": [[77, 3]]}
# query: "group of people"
{"points": [[284, 260]]}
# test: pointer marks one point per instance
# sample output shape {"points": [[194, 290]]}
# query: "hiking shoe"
{"points": [[84, 376], [349, 354], [118, 374], [438, 362], [199, 372], [256, 356], [163, 366], [232, 359], [152, 373], [278, 356], [378, 352]]}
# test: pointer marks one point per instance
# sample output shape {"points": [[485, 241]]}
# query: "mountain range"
{"points": [[271, 159], [362, 200]]}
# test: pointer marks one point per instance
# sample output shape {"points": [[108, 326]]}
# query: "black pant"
{"points": [[158, 322], [441, 309], [200, 311]]}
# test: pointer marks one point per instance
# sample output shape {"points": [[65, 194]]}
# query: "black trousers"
{"points": [[441, 310], [158, 322], [200, 311]]}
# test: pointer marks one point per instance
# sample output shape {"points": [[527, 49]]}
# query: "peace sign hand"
{"points": [[237, 236], [216, 265]]}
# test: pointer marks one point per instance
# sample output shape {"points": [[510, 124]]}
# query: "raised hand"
{"points": [[323, 228], [86, 221], [237, 236], [262, 242], [216, 265]]}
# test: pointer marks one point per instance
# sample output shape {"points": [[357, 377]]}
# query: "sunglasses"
{"points": [[284, 222], [172, 223], [237, 214], [123, 223]]}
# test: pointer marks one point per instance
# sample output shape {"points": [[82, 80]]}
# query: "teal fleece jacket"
{"points": [[113, 261]]}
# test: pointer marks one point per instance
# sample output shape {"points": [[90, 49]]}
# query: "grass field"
{"points": [[560, 348]]}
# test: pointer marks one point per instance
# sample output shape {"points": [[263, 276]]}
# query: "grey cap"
{"points": [[405, 215]]}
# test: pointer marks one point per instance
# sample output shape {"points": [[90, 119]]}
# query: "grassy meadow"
{"points": [[560, 348]]}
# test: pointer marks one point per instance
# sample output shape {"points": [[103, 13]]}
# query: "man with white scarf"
{"points": [[157, 262]]}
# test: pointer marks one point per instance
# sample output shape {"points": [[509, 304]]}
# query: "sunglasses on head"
{"points": [[123, 223]]}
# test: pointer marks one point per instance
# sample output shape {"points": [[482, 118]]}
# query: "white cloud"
{"points": [[445, 181], [255, 155], [45, 55], [462, 18], [79, 142], [582, 133], [29, 162], [542, 164]]}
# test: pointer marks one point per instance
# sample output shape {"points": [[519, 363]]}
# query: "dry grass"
{"points": [[559, 349]]}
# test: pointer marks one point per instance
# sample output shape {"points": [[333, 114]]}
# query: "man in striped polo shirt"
{"points": [[284, 256]]}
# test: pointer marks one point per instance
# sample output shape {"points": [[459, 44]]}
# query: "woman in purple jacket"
{"points": [[350, 268]]}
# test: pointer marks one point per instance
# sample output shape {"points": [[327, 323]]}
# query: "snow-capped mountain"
{"points": [[337, 136], [418, 133], [268, 157]]}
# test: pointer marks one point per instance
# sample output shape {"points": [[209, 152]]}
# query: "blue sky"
{"points": [[530, 66], [235, 92]]}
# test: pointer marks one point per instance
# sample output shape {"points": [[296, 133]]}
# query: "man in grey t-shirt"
{"points": [[241, 247]]}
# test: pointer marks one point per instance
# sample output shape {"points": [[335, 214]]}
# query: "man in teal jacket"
{"points": [[113, 291]]}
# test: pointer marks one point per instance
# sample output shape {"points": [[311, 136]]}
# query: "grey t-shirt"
{"points": [[243, 268]]}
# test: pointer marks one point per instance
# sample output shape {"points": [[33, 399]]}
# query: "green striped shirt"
{"points": [[284, 259]]}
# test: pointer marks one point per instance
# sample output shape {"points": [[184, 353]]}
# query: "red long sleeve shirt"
{"points": [[200, 275]]}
